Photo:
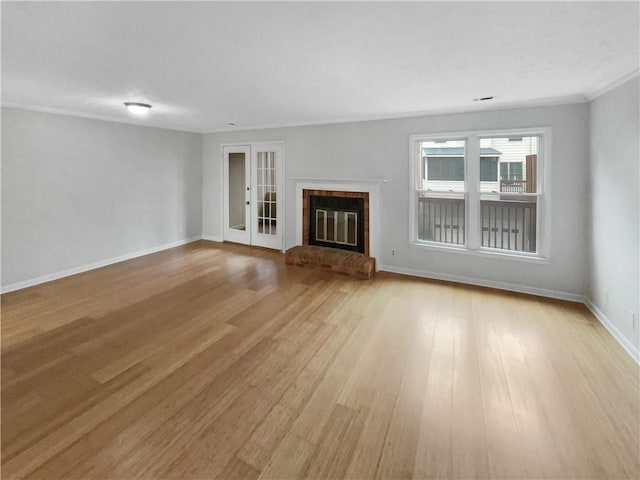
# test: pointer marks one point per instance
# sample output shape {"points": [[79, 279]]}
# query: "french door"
{"points": [[253, 194]]}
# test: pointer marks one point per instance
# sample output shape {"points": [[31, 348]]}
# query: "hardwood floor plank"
{"points": [[206, 455], [564, 427], [435, 418], [468, 437], [336, 444], [399, 455], [383, 359], [366, 455], [539, 446], [148, 411], [504, 449], [60, 300], [316, 412], [265, 439], [80, 425], [174, 421], [289, 460], [38, 422], [236, 469], [606, 435]]}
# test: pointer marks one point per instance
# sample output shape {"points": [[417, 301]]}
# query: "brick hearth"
{"points": [[343, 261]]}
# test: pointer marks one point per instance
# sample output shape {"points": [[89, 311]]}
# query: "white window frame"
{"points": [[473, 235]]}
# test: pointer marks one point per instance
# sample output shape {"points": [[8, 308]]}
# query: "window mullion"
{"points": [[472, 187]]}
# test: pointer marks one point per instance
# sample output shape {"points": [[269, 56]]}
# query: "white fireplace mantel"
{"points": [[370, 186]]}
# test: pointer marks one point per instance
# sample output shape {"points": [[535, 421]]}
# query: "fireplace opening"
{"points": [[337, 226], [337, 221]]}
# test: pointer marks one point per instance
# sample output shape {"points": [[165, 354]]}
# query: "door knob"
{"points": [[247, 202]]}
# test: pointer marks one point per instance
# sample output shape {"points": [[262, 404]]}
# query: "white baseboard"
{"points": [[571, 297], [212, 238], [613, 330], [103, 263]]}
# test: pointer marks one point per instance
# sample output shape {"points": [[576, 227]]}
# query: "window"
{"points": [[445, 168], [511, 170], [440, 186], [480, 192], [488, 169], [509, 214]]}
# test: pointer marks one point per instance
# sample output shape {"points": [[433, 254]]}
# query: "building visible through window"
{"points": [[502, 192], [446, 164]]}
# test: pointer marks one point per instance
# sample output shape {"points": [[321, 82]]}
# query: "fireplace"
{"points": [[367, 189], [337, 219]]}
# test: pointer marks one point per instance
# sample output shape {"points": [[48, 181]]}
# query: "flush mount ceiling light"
{"points": [[482, 99], [137, 108]]}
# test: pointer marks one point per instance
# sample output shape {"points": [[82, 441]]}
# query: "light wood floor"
{"points": [[211, 361]]}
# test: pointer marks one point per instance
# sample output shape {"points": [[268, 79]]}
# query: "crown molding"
{"points": [[598, 92], [536, 103]]}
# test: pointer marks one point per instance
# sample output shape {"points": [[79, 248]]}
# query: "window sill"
{"points": [[486, 253]]}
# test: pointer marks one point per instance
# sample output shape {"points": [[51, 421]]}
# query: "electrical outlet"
{"points": [[606, 296], [632, 319], [393, 252]]}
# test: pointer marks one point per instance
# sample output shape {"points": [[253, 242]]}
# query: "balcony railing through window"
{"points": [[441, 220], [509, 224], [506, 224], [514, 186]]}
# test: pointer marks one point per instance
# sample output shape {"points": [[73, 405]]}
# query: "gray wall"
{"points": [[380, 150], [78, 191], [615, 207]]}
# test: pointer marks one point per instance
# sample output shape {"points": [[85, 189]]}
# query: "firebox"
{"points": [[337, 220]]}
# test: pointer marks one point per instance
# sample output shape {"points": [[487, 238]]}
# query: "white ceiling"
{"points": [[205, 64]]}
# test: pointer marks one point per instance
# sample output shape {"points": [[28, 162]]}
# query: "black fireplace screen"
{"points": [[336, 222]]}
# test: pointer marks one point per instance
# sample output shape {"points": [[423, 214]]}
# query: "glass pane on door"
{"points": [[267, 194], [237, 210]]}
